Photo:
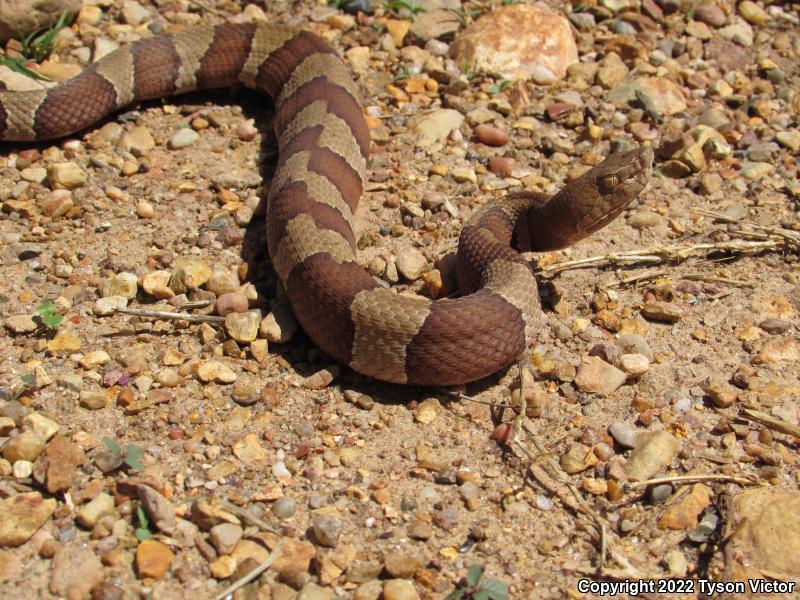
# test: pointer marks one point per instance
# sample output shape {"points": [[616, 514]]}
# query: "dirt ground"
{"points": [[364, 485]]}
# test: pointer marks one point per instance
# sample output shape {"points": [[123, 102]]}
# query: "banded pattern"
{"points": [[324, 145]]}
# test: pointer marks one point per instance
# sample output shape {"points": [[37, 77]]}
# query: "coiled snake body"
{"points": [[323, 147]]}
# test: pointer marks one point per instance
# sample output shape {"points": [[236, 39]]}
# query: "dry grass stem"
{"points": [[179, 316], [663, 254], [772, 422], [692, 479]]}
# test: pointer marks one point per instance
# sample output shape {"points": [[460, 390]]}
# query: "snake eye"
{"points": [[609, 183]]}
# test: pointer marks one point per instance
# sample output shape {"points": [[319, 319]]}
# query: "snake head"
{"points": [[622, 176], [609, 188], [589, 202]]}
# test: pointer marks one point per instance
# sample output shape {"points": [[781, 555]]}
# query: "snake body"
{"points": [[323, 148]]}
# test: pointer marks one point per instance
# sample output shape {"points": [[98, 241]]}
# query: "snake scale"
{"points": [[323, 146]]}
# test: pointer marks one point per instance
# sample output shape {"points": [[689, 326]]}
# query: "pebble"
{"points": [[22, 469], [662, 94], [775, 326], [755, 516], [138, 141], [684, 513], [89, 514], [399, 589], [633, 343], [577, 458], [643, 219], [753, 13], [183, 138], [156, 284], [312, 591], [243, 326], [57, 204], [22, 516], [779, 350], [225, 536], [665, 312], [223, 282], [464, 175], [145, 210], [436, 126], [39, 424], [249, 450], [501, 165], [653, 452], [159, 509], [322, 378], [223, 568], [660, 493], [284, 508], [739, 33], [419, 530], [65, 175], [21, 324], [93, 400], [244, 394], [153, 559], [710, 184], [721, 393], [109, 305], [790, 139], [75, 571], [213, 370], [491, 136], [411, 263], [634, 365], [426, 411], [507, 41], [327, 530], [134, 13], [677, 563], [623, 433], [597, 376], [246, 131], [28, 445], [121, 284], [711, 14], [93, 359], [280, 325], [401, 565]]}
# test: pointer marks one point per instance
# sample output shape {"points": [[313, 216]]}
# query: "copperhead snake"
{"points": [[323, 148]]}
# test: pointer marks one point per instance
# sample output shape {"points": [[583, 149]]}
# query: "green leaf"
{"points": [[481, 595], [474, 575], [456, 594], [499, 87], [143, 531], [112, 445], [47, 313], [27, 378], [18, 65], [496, 589], [133, 457], [402, 75]]}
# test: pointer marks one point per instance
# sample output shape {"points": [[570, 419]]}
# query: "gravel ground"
{"points": [[149, 456]]}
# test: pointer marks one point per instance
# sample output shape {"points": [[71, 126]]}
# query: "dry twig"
{"points": [[160, 314], [771, 422], [692, 478], [663, 254], [248, 517]]}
